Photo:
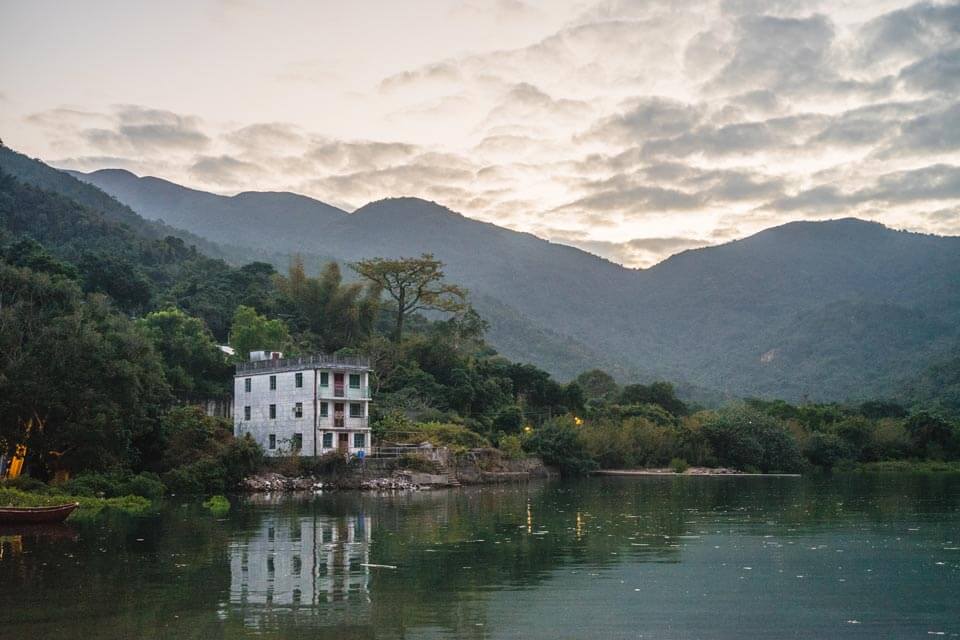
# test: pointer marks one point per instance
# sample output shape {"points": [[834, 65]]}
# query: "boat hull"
{"points": [[36, 515]]}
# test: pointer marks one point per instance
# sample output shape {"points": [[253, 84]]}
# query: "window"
{"points": [[246, 413], [247, 384], [324, 410], [273, 383], [324, 379], [273, 412], [297, 441], [354, 380], [298, 380], [273, 441], [328, 440], [359, 440], [356, 410], [298, 410]]}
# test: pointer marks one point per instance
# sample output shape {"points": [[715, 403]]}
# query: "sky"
{"points": [[631, 129]]}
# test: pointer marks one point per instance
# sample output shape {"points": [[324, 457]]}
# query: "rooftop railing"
{"points": [[318, 360]]}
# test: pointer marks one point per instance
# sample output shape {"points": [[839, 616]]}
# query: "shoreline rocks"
{"points": [[269, 482]]}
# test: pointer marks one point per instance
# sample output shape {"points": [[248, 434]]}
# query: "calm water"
{"points": [[601, 558]]}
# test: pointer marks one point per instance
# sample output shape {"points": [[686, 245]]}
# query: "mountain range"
{"points": [[830, 310]]}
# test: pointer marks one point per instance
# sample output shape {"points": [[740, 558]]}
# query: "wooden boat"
{"points": [[36, 515]]}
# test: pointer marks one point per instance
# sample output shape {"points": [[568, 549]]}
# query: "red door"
{"points": [[343, 442], [338, 385]]}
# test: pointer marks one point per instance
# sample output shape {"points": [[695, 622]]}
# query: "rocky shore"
{"points": [[480, 468]]}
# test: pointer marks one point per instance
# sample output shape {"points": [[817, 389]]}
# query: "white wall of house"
{"points": [[279, 430]]}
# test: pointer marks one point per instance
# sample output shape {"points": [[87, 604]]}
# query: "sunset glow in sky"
{"points": [[631, 129]]}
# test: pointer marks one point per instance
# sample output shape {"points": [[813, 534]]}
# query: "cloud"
{"points": [[938, 73], [646, 117], [930, 133], [266, 136], [441, 72], [668, 122], [738, 138], [134, 129], [525, 102], [920, 30], [779, 54], [425, 177], [363, 155], [637, 252], [224, 170], [623, 195], [868, 125], [935, 182]]}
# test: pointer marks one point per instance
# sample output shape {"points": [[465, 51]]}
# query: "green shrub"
{"points": [[89, 506], [743, 437], [218, 505], [146, 485], [558, 443], [827, 450], [509, 419], [26, 483], [203, 476], [416, 462], [442, 434], [113, 484], [679, 465], [511, 447], [329, 464]]}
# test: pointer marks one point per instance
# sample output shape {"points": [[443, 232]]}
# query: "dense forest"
{"points": [[110, 330]]}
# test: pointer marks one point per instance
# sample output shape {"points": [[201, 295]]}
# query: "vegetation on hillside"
{"points": [[831, 310], [108, 335]]}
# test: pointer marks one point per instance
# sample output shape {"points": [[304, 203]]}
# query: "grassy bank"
{"points": [[907, 466], [89, 506]]}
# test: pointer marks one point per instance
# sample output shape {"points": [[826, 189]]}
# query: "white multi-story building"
{"points": [[311, 404]]}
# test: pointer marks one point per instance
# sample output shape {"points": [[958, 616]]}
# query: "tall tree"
{"points": [[415, 284], [253, 332], [193, 363]]}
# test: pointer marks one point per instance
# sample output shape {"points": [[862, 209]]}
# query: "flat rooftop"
{"points": [[317, 361]]}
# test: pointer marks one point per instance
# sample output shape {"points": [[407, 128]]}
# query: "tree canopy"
{"points": [[414, 284]]}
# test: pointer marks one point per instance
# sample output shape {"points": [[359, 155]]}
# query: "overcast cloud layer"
{"points": [[630, 129]]}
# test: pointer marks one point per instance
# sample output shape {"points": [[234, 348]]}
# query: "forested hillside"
{"points": [[831, 310], [107, 330], [104, 330]]}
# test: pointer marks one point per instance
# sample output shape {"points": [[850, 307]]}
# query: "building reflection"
{"points": [[308, 566]]}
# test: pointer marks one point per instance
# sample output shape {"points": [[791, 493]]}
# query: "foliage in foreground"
{"points": [[89, 506]]}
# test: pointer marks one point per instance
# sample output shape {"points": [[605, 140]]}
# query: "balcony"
{"points": [[339, 391], [343, 422]]}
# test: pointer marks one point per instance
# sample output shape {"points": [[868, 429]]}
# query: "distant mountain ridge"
{"points": [[832, 310], [231, 219]]}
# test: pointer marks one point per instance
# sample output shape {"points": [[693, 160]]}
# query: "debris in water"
{"points": [[377, 566]]}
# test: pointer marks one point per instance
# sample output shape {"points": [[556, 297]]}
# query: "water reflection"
{"points": [[612, 558], [300, 564]]}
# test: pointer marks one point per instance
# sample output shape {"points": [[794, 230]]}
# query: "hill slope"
{"points": [[237, 220], [825, 310]]}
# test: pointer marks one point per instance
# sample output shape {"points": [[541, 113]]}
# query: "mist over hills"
{"points": [[832, 310]]}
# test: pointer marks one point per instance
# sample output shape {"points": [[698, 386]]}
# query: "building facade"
{"points": [[311, 404]]}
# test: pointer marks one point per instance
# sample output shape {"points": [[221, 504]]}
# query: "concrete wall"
{"points": [[286, 424], [284, 397]]}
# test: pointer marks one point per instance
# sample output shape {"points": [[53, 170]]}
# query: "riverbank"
{"points": [[692, 471], [89, 506], [487, 467]]}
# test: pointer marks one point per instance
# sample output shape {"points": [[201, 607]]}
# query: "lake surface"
{"points": [[686, 557]]}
